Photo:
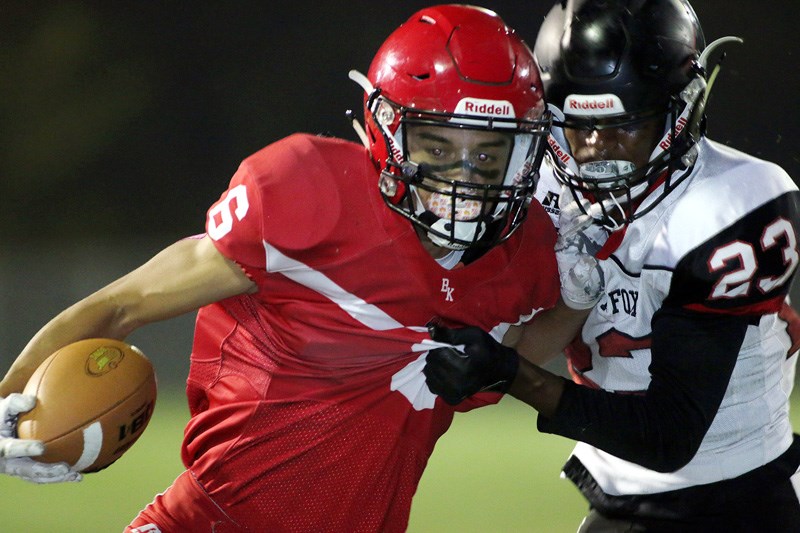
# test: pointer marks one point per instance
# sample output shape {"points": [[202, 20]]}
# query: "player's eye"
{"points": [[486, 159]]}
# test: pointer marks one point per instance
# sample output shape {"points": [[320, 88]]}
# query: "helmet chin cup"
{"points": [[466, 231], [604, 169], [448, 232]]}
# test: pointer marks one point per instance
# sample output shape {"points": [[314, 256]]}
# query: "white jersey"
{"points": [[724, 241]]}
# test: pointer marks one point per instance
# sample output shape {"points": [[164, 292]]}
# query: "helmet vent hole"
{"points": [[421, 77]]}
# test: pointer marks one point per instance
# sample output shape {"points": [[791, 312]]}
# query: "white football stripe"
{"points": [[92, 444], [368, 314], [410, 382]]}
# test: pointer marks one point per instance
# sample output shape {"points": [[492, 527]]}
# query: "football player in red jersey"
{"points": [[683, 370], [322, 266]]}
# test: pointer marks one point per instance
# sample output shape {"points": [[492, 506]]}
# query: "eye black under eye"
{"points": [[633, 128]]}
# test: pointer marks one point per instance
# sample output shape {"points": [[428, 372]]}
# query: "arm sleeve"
{"points": [[693, 356], [234, 221], [744, 269]]}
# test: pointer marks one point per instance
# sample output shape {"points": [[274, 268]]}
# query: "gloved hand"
{"points": [[579, 239], [475, 363], [577, 223], [15, 454]]}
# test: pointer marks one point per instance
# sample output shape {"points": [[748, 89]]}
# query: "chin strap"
{"points": [[463, 231], [704, 57], [361, 80], [697, 92], [365, 84], [362, 134]]}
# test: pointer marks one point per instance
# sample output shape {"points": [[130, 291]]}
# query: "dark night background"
{"points": [[121, 122]]}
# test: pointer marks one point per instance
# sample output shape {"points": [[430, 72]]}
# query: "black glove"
{"points": [[485, 364]]}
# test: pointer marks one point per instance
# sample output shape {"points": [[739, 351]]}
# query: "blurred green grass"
{"points": [[492, 472]]}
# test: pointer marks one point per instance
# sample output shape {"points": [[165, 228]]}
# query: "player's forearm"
{"points": [[693, 357], [93, 317], [546, 336], [537, 387]]}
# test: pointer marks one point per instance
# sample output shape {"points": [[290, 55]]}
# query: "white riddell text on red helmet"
{"points": [[479, 106]]}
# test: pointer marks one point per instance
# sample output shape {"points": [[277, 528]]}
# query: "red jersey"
{"points": [[309, 406]]}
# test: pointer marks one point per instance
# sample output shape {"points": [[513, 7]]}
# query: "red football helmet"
{"points": [[458, 75]]}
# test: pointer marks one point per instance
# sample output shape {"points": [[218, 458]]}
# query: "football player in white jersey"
{"points": [[683, 371]]}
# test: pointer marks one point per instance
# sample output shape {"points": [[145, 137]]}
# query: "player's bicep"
{"points": [[183, 277]]}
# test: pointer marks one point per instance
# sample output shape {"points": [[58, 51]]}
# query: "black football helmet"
{"points": [[616, 64]]}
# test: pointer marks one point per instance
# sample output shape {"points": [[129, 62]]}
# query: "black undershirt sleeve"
{"points": [[693, 355]]}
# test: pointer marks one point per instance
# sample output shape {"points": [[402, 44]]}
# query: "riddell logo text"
{"points": [[593, 104], [667, 142], [503, 110], [558, 151], [396, 153], [590, 105]]}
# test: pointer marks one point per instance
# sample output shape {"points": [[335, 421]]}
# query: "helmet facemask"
{"points": [[456, 75], [465, 179], [615, 185]]}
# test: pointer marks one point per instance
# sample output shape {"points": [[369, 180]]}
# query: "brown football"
{"points": [[94, 400]]}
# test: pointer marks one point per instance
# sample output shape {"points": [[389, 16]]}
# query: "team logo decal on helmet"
{"points": [[453, 78]]}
